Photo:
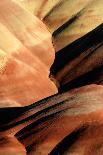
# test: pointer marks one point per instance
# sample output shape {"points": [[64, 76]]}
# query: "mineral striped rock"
{"points": [[51, 77], [70, 122], [40, 8], [83, 17], [82, 56], [10, 145], [26, 55]]}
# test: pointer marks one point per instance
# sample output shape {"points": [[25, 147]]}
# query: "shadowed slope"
{"points": [[47, 123], [80, 57]]}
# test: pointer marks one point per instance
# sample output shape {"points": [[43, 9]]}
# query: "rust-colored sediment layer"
{"points": [[82, 123], [77, 128], [25, 57]]}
